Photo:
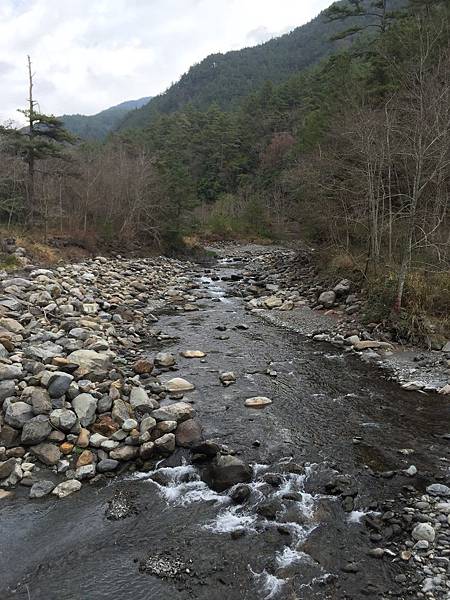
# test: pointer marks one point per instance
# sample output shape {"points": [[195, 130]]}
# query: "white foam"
{"points": [[231, 520], [290, 556], [259, 468], [271, 585]]}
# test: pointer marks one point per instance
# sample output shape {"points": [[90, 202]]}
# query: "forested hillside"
{"points": [[351, 155], [225, 79], [97, 127]]}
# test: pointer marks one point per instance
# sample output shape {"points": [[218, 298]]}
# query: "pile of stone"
{"points": [[79, 396]]}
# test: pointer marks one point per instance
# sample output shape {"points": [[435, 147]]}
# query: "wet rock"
{"points": [[188, 433], [107, 465], [46, 453], [193, 354], [36, 430], [85, 407], [227, 378], [66, 488], [258, 402], [178, 384], [226, 471], [240, 493], [273, 302], [41, 489], [164, 359], [18, 413], [269, 508]]}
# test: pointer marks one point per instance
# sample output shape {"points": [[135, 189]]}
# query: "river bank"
{"points": [[331, 501]]}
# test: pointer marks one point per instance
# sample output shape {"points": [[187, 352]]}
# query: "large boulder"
{"points": [[36, 430], [85, 407], [178, 411], [18, 413], [225, 471]]}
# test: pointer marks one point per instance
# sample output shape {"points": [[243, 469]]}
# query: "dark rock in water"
{"points": [[41, 488], [207, 448], [269, 509], [274, 479], [240, 493], [225, 471], [348, 504]]}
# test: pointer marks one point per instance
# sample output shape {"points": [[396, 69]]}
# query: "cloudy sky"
{"points": [[91, 54]]}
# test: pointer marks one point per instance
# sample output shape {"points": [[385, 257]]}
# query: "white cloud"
{"points": [[91, 54]]}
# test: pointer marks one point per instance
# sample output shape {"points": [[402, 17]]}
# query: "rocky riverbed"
{"points": [[212, 454]]}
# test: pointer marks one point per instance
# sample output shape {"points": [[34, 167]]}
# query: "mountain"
{"points": [[97, 127]]}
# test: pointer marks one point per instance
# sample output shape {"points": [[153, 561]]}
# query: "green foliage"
{"points": [[98, 126]]}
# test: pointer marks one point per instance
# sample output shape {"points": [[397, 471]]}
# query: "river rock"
{"points": [[66, 488], [47, 453], [59, 383], [143, 366], [85, 407], [124, 453], [11, 325], [178, 385], [63, 418], [147, 450], [18, 413], [44, 352], [438, 489], [7, 467], [36, 430], [166, 443], [7, 389], [120, 411], [327, 299], [273, 302], [139, 399], [227, 378], [225, 472], [164, 359], [193, 354], [188, 433], [147, 424], [179, 411], [106, 465], [424, 531], [83, 438], [90, 360], [10, 372], [129, 424], [97, 439], [85, 472], [258, 402], [85, 458], [41, 488], [40, 400]]}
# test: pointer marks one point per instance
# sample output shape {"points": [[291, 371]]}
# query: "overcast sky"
{"points": [[91, 54]]}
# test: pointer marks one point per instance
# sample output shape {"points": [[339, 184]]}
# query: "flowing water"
{"points": [[165, 534]]}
